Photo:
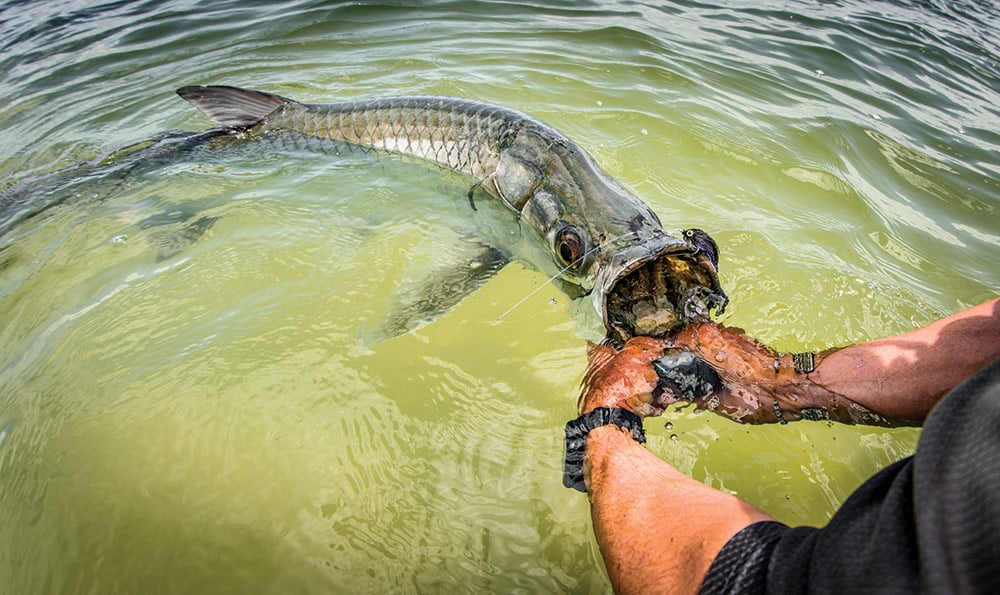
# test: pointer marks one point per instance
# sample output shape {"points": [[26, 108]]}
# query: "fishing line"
{"points": [[549, 281]]}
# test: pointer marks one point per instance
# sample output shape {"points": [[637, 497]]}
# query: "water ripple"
{"points": [[207, 409]]}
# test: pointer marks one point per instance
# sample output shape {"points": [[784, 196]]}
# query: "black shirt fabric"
{"points": [[929, 523]]}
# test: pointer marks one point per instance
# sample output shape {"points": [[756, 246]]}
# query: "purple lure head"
{"points": [[704, 243]]}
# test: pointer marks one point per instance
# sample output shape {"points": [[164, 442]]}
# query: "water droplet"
{"points": [[673, 436], [118, 240], [553, 302], [669, 425], [720, 357], [644, 131]]}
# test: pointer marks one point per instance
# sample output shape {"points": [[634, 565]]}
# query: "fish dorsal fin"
{"points": [[232, 106]]}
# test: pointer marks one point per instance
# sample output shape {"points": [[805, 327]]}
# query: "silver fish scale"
{"points": [[643, 280], [460, 134]]}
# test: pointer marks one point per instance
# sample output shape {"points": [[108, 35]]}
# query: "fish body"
{"points": [[100, 178], [598, 237]]}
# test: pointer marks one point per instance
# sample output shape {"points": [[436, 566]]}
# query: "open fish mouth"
{"points": [[656, 286]]}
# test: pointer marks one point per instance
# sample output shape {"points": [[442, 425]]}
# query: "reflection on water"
{"points": [[184, 398]]}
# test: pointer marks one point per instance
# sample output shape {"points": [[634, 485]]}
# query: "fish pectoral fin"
{"points": [[444, 289], [232, 106]]}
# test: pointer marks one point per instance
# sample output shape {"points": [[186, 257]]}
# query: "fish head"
{"points": [[641, 279], [653, 283], [608, 243]]}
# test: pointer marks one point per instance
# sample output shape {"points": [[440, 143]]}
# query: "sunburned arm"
{"points": [[658, 529], [891, 381], [903, 377]]}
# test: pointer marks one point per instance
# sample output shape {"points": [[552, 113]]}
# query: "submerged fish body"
{"points": [[100, 178], [597, 236]]}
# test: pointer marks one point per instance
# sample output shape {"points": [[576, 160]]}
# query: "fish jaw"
{"points": [[653, 285]]}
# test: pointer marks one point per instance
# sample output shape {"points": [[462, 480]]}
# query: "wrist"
{"points": [[609, 439], [618, 420], [804, 394]]}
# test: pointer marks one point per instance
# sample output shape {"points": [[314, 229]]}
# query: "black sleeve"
{"points": [[957, 486], [928, 523], [741, 565]]}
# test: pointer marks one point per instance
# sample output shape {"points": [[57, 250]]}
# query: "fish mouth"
{"points": [[654, 286]]}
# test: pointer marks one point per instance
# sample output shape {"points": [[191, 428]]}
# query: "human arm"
{"points": [[903, 377], [891, 381], [658, 529]]}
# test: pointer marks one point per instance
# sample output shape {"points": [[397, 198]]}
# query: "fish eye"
{"points": [[569, 246]]}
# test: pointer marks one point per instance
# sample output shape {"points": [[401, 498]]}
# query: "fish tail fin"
{"points": [[232, 106]]}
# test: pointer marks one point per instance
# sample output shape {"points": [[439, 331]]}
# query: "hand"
{"points": [[716, 368], [759, 385], [752, 376], [648, 374], [713, 367], [624, 379]]}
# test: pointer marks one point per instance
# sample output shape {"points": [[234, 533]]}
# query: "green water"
{"points": [[213, 421]]}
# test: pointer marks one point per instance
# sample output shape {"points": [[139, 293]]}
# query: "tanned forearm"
{"points": [[658, 530], [903, 377]]}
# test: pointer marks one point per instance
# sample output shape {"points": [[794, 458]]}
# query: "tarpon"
{"points": [[600, 238]]}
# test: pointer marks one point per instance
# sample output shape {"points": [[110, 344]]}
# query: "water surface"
{"points": [[201, 416]]}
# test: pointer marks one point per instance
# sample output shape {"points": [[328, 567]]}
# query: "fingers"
{"points": [[723, 370], [742, 406], [622, 378], [599, 353], [716, 368]]}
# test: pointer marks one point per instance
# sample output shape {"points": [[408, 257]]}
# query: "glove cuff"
{"points": [[576, 439]]}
